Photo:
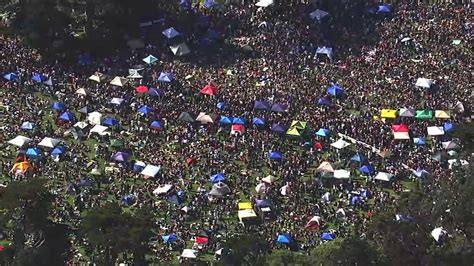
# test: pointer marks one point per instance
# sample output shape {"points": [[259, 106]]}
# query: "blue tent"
{"points": [[171, 33], [448, 126], [384, 9], [86, 182], [279, 108], [156, 125], [284, 239], [110, 121], [366, 194], [421, 173], [166, 77], [10, 76], [328, 236], [28, 125], [169, 238], [150, 59], [145, 109], [238, 121], [275, 155], [58, 150], [217, 178], [261, 105], [39, 78], [225, 120], [154, 92], [84, 59], [258, 121], [367, 169], [355, 200], [209, 3], [324, 101], [220, 105], [335, 90], [185, 4], [174, 199], [33, 152], [58, 106], [67, 116], [419, 141], [138, 167], [278, 128], [358, 158], [263, 203], [323, 132], [128, 200], [48, 82]]}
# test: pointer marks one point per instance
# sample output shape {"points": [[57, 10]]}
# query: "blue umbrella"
{"points": [[156, 125], [154, 92], [278, 108], [220, 105], [67, 116], [323, 132], [217, 178], [28, 125], [145, 109], [238, 121], [261, 105], [355, 200], [150, 59], [367, 169], [58, 106], [275, 155], [284, 239], [384, 9], [335, 90], [39, 78], [33, 152], [58, 150], [328, 236], [110, 121], [324, 101], [448, 126], [209, 3], [366, 194], [171, 33], [225, 120], [169, 238], [138, 167], [166, 77], [128, 200], [358, 158], [258, 121], [278, 128], [419, 141], [10, 76]]}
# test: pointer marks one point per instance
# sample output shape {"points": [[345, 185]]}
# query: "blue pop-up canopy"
{"points": [[279, 108], [220, 105], [217, 178], [154, 92], [263, 203], [138, 166], [166, 77], [367, 169], [58, 150], [278, 128], [169, 238], [261, 105], [33, 152], [448, 126], [39, 78], [335, 90], [355, 199], [58, 106], [384, 8], [225, 120], [328, 236], [67, 116], [10, 76], [156, 125], [28, 125], [324, 101], [150, 59], [238, 121], [258, 121], [323, 132], [121, 156], [358, 158], [419, 141], [110, 121], [128, 200], [171, 33], [366, 194], [145, 109], [275, 155], [209, 3], [284, 239]]}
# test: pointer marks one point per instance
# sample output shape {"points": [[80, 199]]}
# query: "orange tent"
{"points": [[209, 90], [21, 167]]}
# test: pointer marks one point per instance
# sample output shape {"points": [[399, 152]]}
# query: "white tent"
{"points": [[340, 212], [261, 188], [97, 77], [401, 135], [451, 162], [340, 144], [81, 91], [116, 101], [219, 190], [94, 118], [424, 83], [246, 214], [189, 254], [325, 167], [150, 170], [383, 176], [99, 129], [134, 74], [180, 49], [406, 112], [435, 131], [163, 189], [19, 141], [118, 81], [341, 173], [269, 179], [437, 233], [325, 50], [285, 190], [264, 3], [450, 145], [49, 142], [318, 14], [205, 118], [81, 124]]}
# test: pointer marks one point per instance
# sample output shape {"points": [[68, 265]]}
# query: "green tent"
{"points": [[424, 114]]}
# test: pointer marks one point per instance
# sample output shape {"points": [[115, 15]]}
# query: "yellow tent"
{"points": [[293, 131], [298, 124], [388, 113], [245, 205], [442, 114], [21, 167]]}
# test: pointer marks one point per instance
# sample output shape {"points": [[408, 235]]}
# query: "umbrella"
{"points": [[169, 238], [258, 121], [261, 105], [219, 190], [28, 125], [33, 152], [58, 106], [400, 128], [328, 236], [358, 158], [116, 101], [367, 169], [150, 59], [264, 3], [383, 176], [275, 155], [217, 178], [335, 90], [19, 141], [141, 89], [323, 132], [156, 125], [424, 83], [187, 117], [118, 81], [154, 92], [110, 121], [67, 116], [448, 126], [384, 9], [170, 33], [225, 120], [238, 121], [278, 128], [185, 4], [138, 166], [10, 76], [180, 49], [39, 78], [208, 90], [220, 105], [279, 108], [128, 200], [284, 239], [202, 240], [49, 142], [58, 150], [424, 114], [145, 109], [86, 182], [166, 77], [419, 141], [120, 156], [324, 101]]}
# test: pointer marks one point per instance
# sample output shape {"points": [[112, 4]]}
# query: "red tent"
{"points": [[400, 128], [209, 90], [202, 240], [237, 128], [190, 160], [318, 146], [141, 89]]}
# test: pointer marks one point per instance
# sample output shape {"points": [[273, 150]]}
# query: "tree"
{"points": [[244, 250]]}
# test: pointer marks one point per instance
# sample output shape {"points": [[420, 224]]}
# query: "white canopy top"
{"points": [[342, 173], [150, 170], [437, 233], [318, 14], [49, 142], [264, 3], [99, 129], [189, 253], [116, 101], [81, 124], [94, 118], [162, 189], [424, 83], [435, 131], [118, 81], [450, 145], [247, 213], [19, 141], [383, 176], [340, 144]]}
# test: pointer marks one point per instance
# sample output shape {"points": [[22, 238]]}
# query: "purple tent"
{"points": [[278, 128], [261, 105], [120, 156], [279, 108]]}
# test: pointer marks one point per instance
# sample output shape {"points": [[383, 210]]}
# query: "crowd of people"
{"points": [[260, 54]]}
